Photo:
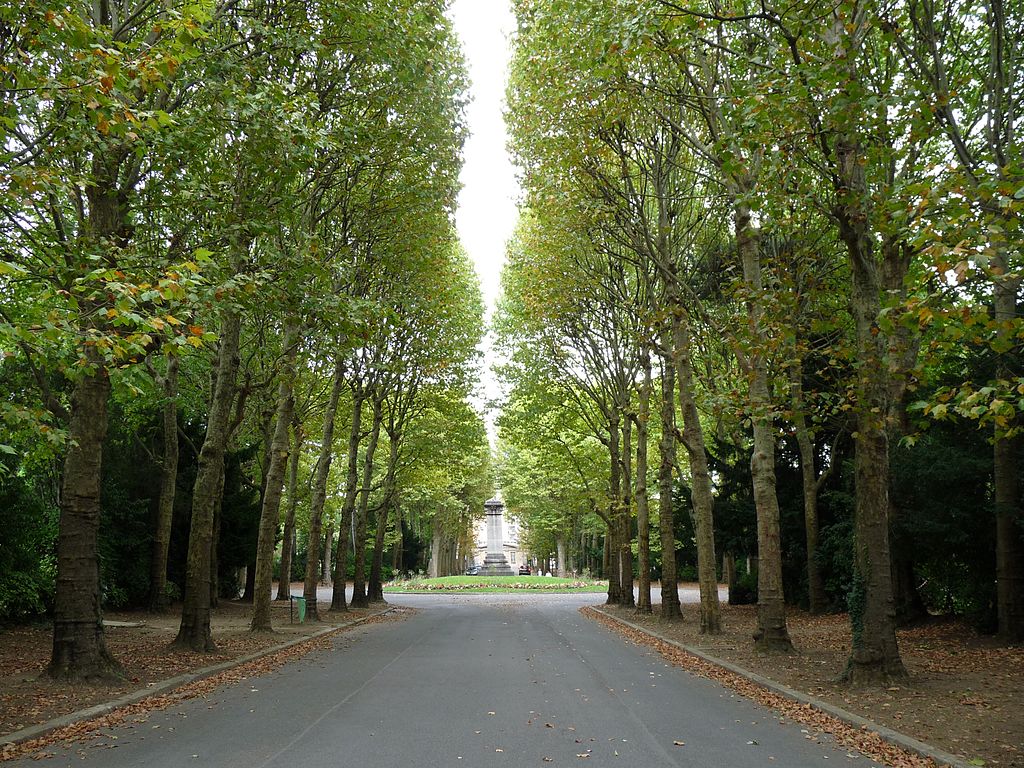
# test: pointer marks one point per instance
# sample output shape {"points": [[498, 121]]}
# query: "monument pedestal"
{"points": [[495, 563]]}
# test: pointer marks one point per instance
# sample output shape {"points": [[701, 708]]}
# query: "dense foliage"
{"points": [[226, 235], [782, 244]]}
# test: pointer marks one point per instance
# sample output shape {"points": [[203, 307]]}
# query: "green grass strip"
{"points": [[494, 584]]}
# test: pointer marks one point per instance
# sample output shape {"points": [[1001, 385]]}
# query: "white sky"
{"points": [[486, 213]]}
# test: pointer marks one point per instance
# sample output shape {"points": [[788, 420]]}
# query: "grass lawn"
{"points": [[485, 584]]}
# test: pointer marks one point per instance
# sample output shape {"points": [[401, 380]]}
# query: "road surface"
{"points": [[471, 681]]}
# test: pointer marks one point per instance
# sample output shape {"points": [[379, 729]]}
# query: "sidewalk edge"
{"points": [[163, 686], [888, 734]]}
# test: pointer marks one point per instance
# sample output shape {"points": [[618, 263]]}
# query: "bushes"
{"points": [[28, 564]]}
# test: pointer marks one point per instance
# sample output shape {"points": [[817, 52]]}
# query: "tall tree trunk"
{"points": [[729, 573], [875, 655], [355, 436], [772, 633], [270, 515], [79, 649], [266, 459], [359, 597], [284, 585], [318, 498], [560, 558], [214, 543], [158, 598], [808, 475], [625, 520], [700, 477], [643, 514], [376, 590], [194, 632], [670, 608], [433, 567], [327, 566], [611, 540]]}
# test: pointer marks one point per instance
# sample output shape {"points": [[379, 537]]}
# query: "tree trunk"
{"points": [[772, 633], [376, 590], [194, 632], [611, 540], [643, 514], [729, 573], [214, 543], [606, 560], [284, 585], [874, 656], [270, 515], [700, 477], [670, 608], [79, 649], [327, 571], [359, 597], [560, 562], [318, 498], [625, 519], [158, 598], [355, 436], [433, 567], [808, 474]]}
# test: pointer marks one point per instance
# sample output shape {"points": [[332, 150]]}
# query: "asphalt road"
{"points": [[467, 682]]}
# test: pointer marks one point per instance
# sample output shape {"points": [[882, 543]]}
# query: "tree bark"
{"points": [[772, 633], [270, 515], [611, 540], [318, 498], [700, 477], [560, 570], [284, 585], [355, 436], [729, 573], [670, 607], [433, 567], [79, 649], [194, 631], [158, 598], [874, 656], [376, 588], [808, 475], [625, 519], [643, 515], [359, 597]]}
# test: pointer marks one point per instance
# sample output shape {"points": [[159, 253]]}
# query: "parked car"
{"points": [[524, 570], [473, 570]]}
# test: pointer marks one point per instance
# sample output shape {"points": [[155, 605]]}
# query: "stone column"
{"points": [[495, 563]]}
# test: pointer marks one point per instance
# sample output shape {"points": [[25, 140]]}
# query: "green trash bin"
{"points": [[300, 608]]}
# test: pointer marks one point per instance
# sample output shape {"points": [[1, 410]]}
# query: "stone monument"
{"points": [[495, 562]]}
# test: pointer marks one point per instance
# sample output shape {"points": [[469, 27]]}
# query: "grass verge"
{"points": [[493, 584]]}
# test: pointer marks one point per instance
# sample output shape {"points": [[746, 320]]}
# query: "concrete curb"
{"points": [[163, 686], [893, 737]]}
